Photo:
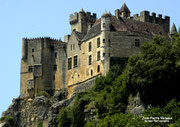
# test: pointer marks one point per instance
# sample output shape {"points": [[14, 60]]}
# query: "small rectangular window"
{"points": [[104, 40], [98, 55], [90, 59], [104, 54], [30, 69], [75, 61], [90, 46], [109, 41], [137, 43], [69, 63], [32, 50], [55, 54], [55, 67], [54, 77], [73, 46], [98, 42]]}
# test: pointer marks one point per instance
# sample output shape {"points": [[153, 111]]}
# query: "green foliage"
{"points": [[40, 124], [9, 119], [118, 120], [43, 93], [64, 118], [154, 73], [156, 68]]}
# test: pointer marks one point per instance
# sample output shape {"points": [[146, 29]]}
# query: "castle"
{"points": [[93, 46]]}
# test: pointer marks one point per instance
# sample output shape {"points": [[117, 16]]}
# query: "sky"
{"points": [[50, 18]]}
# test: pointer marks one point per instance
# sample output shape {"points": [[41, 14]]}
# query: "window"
{"points": [[98, 56], [91, 72], [90, 59], [32, 50], [55, 54], [53, 77], [69, 63], [109, 42], [55, 67], [137, 44], [73, 46], [98, 68], [98, 42], [104, 40], [30, 69], [104, 54], [75, 61], [90, 47], [104, 25]]}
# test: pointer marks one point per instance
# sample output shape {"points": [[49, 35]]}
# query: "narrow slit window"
{"points": [[90, 59]]}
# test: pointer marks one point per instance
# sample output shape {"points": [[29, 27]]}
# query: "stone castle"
{"points": [[93, 46]]}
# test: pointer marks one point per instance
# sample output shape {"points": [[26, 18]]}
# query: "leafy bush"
{"points": [[40, 124], [43, 93]]}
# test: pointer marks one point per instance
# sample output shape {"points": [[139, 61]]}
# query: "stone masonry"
{"points": [[94, 45]]}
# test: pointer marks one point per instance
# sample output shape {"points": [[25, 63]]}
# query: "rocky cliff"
{"points": [[27, 112]]}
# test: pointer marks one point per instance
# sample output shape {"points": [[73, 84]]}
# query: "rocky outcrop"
{"points": [[27, 112], [135, 106]]}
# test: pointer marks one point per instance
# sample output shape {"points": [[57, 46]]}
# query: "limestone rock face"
{"points": [[135, 106], [27, 112]]}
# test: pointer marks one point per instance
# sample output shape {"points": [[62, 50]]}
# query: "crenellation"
{"points": [[73, 18], [49, 64], [146, 17]]}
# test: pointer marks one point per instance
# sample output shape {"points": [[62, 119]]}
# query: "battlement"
{"points": [[91, 18], [41, 38], [146, 17], [75, 17]]}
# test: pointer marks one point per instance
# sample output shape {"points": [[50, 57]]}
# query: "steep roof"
{"points": [[137, 26], [79, 35], [95, 30], [173, 29], [124, 8], [128, 25]]}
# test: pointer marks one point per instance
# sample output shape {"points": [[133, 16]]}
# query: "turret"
{"points": [[173, 30], [82, 21], [105, 21], [123, 12]]}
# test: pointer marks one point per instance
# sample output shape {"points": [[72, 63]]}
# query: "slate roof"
{"points": [[79, 35], [128, 25], [173, 29], [124, 8], [95, 30]]}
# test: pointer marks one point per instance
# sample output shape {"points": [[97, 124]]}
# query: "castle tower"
{"points": [[173, 30], [124, 11], [82, 21], [105, 50]]}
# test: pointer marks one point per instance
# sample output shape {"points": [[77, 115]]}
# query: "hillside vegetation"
{"points": [[154, 74]]}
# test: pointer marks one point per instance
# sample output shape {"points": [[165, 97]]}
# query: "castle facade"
{"points": [[93, 46]]}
